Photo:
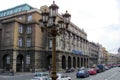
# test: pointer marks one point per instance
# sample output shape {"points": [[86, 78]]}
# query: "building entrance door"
{"points": [[20, 63], [6, 62]]}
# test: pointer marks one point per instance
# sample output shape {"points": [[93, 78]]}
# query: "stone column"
{"points": [[83, 63], [87, 62], [59, 66], [14, 60], [67, 62], [59, 61], [37, 63], [71, 61], [79, 62]]}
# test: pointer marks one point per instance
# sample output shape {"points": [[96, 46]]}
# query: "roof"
{"points": [[16, 9]]}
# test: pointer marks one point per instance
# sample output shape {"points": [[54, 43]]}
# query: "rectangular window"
{"points": [[20, 42], [28, 42], [20, 28], [29, 29], [29, 17]]}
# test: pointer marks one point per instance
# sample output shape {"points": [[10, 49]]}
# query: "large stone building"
{"points": [[24, 46], [100, 54], [93, 53], [112, 59]]}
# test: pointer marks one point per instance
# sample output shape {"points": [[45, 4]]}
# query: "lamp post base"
{"points": [[54, 76]]}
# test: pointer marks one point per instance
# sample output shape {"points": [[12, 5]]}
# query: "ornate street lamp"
{"points": [[52, 27]]}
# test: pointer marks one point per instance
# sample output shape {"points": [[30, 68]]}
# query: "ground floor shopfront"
{"points": [[31, 60]]}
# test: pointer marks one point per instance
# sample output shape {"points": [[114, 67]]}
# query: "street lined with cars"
{"points": [[111, 74], [46, 76]]}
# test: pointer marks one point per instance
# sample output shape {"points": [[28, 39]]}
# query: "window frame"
{"points": [[29, 18], [20, 28], [28, 42], [20, 42], [29, 29]]}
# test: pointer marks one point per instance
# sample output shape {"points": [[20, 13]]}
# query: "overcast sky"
{"points": [[100, 19]]}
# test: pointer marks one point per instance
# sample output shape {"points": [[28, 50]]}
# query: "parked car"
{"points": [[101, 67], [118, 65], [69, 70], [92, 71], [82, 73], [82, 68], [98, 70], [41, 76], [62, 77], [106, 68]]}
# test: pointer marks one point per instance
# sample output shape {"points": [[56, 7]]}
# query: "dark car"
{"points": [[69, 70], [101, 67], [82, 73], [98, 70]]}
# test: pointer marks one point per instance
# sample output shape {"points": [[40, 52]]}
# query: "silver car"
{"points": [[41, 76]]}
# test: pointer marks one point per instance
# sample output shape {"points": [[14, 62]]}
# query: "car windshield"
{"points": [[81, 71], [82, 68], [41, 74]]}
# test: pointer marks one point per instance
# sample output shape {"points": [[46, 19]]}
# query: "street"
{"points": [[21, 76], [112, 74]]}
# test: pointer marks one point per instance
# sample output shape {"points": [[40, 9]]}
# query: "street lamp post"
{"points": [[49, 25]]}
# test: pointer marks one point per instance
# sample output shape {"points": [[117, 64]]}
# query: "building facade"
{"points": [[112, 59], [93, 53], [24, 47]]}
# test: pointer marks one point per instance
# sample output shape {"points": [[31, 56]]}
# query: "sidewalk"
{"points": [[8, 74]]}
